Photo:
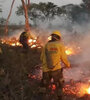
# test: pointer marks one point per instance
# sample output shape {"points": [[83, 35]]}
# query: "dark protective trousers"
{"points": [[58, 80], [25, 45]]}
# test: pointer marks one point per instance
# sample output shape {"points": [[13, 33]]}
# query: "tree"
{"points": [[48, 10], [34, 13], [86, 6], [41, 11], [6, 26], [2, 21], [87, 3], [0, 9], [76, 13], [27, 27]]}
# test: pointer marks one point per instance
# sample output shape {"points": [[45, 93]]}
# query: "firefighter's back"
{"points": [[53, 54], [23, 37]]}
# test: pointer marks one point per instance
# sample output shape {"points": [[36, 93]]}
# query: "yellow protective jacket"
{"points": [[58, 55]]}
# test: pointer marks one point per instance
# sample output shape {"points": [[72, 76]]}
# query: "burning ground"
{"points": [[20, 72]]}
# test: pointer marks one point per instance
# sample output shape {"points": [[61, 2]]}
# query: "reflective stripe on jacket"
{"points": [[58, 54]]}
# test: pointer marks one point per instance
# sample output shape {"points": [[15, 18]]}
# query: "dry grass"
{"points": [[15, 66]]}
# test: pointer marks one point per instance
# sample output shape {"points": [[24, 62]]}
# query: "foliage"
{"points": [[41, 11], [87, 3], [20, 10], [76, 13], [2, 21], [48, 11]]}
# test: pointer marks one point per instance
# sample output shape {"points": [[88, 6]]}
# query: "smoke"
{"points": [[77, 34], [15, 33], [73, 34], [80, 63]]}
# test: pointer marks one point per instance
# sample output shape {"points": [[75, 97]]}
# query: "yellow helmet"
{"points": [[57, 33]]}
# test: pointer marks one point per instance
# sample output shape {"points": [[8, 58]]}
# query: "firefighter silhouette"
{"points": [[24, 39]]}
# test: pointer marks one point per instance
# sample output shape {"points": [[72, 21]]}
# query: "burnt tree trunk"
{"points": [[6, 26], [27, 27]]}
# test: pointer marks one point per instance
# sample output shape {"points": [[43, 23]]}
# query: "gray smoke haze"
{"points": [[80, 70], [72, 34]]}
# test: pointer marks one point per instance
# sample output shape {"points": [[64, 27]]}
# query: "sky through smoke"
{"points": [[7, 3]]}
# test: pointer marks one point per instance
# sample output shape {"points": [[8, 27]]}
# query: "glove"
{"points": [[68, 66]]}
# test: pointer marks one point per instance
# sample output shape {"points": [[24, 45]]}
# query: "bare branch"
{"points": [[6, 27], [27, 27]]}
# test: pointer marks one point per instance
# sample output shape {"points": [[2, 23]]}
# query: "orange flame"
{"points": [[85, 89], [49, 38], [17, 43], [53, 87], [88, 90], [30, 41], [69, 51], [13, 44], [33, 46], [33, 43]]}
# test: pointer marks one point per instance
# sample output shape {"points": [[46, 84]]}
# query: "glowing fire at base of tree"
{"points": [[33, 43]]}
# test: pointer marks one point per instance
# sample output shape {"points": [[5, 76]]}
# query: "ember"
{"points": [[13, 44], [79, 89], [33, 43], [33, 46], [69, 51], [72, 50], [53, 87], [30, 41]]}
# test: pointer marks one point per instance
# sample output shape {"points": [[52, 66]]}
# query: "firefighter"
{"points": [[52, 54], [24, 39]]}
